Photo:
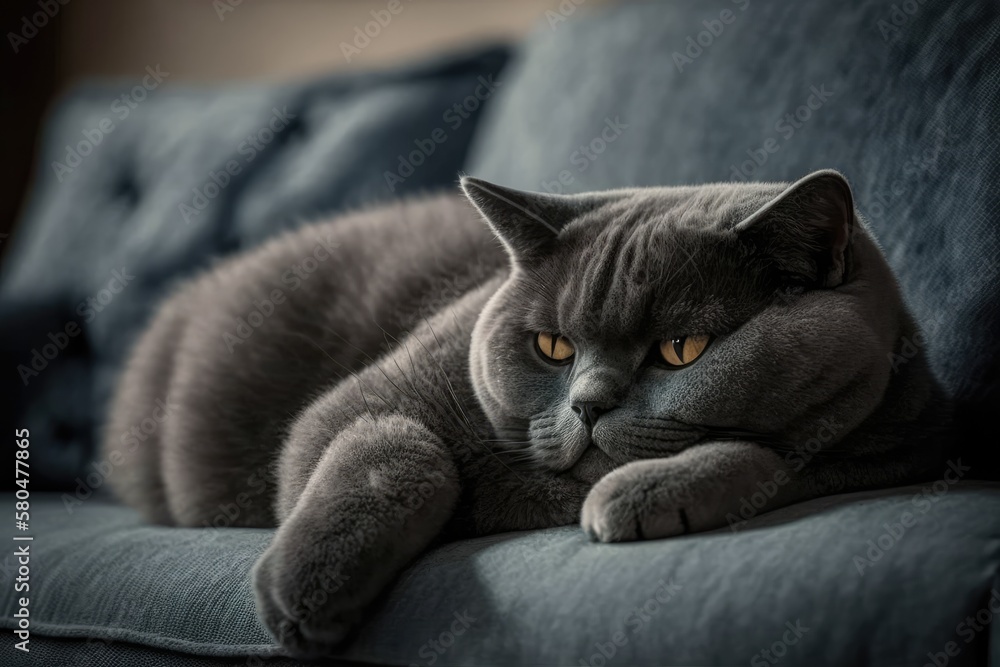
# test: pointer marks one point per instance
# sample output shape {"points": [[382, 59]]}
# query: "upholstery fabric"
{"points": [[860, 585]]}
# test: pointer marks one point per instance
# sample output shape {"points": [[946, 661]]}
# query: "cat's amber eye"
{"points": [[682, 350], [554, 347]]}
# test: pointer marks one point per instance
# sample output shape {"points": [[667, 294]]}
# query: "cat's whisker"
{"points": [[512, 450], [458, 324], [458, 404], [373, 361], [361, 383], [461, 419], [409, 355]]}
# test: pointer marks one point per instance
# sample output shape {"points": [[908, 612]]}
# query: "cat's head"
{"points": [[643, 321]]}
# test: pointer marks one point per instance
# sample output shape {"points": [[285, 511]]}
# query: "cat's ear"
{"points": [[806, 230], [527, 222]]}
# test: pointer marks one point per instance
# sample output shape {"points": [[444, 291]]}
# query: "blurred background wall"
{"points": [[213, 41]]}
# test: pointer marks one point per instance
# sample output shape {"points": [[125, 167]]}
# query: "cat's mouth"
{"points": [[635, 438], [591, 466], [570, 447], [732, 433], [661, 437]]}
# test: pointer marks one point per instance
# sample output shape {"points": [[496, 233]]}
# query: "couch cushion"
{"points": [[903, 97], [189, 174], [52, 652], [869, 578]]}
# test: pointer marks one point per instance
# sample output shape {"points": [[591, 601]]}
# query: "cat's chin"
{"points": [[592, 465]]}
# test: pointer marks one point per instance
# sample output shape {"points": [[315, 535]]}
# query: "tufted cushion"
{"points": [[188, 174], [903, 97]]}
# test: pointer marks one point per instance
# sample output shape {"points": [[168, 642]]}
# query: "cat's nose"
{"points": [[589, 411]]}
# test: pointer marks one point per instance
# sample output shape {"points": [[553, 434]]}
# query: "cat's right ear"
{"points": [[806, 231], [527, 223]]}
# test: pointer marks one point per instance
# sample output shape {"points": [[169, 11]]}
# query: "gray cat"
{"points": [[649, 362]]}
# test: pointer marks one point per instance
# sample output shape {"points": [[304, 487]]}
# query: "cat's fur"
{"points": [[394, 395]]}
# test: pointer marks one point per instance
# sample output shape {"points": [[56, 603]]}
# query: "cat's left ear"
{"points": [[526, 222], [806, 230]]}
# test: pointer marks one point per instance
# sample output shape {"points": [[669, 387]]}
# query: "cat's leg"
{"points": [[712, 484], [380, 493], [699, 489]]}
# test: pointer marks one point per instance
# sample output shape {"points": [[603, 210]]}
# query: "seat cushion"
{"points": [[902, 97], [878, 578], [189, 174]]}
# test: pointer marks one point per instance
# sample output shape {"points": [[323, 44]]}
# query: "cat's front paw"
{"points": [[378, 497], [701, 488], [304, 605], [629, 505]]}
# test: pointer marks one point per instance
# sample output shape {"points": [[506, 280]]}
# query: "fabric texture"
{"points": [[49, 652], [861, 583], [903, 98], [190, 174]]}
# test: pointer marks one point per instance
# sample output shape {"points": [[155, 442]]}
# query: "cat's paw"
{"points": [[304, 605], [378, 496], [625, 506], [698, 489]]}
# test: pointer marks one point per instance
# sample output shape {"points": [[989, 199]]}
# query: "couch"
{"points": [[902, 97]]}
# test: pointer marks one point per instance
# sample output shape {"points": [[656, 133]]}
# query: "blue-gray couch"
{"points": [[902, 96]]}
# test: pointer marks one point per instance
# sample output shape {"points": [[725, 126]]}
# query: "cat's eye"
{"points": [[682, 350], [554, 347]]}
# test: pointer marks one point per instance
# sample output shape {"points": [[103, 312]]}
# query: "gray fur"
{"points": [[394, 397]]}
